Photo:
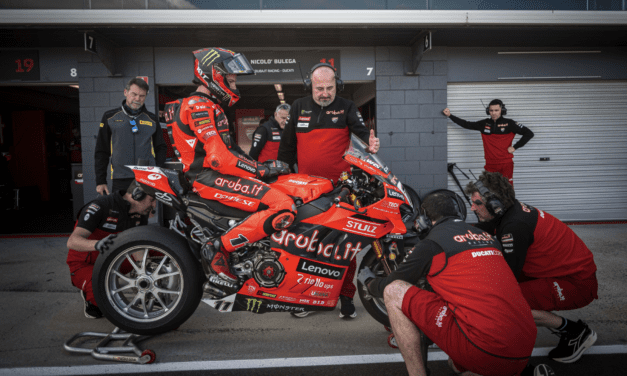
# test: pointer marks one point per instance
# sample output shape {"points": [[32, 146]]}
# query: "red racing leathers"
{"points": [[104, 216], [474, 293], [200, 134]]}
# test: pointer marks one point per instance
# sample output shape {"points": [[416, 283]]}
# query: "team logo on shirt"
{"points": [[302, 125], [202, 114], [487, 129], [334, 120], [507, 238], [145, 122]]}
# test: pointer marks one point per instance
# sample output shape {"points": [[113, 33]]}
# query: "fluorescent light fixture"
{"points": [[278, 87]]}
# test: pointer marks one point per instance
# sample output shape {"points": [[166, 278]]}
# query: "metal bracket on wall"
{"points": [[420, 45]]}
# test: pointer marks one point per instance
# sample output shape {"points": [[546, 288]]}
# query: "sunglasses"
{"points": [[478, 202]]}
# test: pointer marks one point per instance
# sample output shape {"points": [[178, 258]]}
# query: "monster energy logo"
{"points": [[252, 303], [213, 54]]}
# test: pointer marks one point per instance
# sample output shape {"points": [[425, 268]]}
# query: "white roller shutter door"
{"points": [[580, 131]]}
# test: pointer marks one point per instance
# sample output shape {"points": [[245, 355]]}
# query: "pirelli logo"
{"points": [[145, 122]]}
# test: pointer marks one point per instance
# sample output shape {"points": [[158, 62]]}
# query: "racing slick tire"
{"points": [[148, 282]]}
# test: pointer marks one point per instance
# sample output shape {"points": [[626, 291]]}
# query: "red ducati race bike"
{"points": [[153, 278]]}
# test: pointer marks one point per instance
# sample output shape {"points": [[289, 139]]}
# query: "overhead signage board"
{"points": [[19, 65], [287, 66]]}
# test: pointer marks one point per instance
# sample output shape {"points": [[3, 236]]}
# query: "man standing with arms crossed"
{"points": [[316, 137]]}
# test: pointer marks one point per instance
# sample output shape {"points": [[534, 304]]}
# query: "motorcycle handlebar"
{"points": [[343, 193]]}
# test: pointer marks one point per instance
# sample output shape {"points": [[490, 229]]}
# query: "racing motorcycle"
{"points": [[153, 278]]}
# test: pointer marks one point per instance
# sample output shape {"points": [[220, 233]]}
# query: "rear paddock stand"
{"points": [[102, 352]]}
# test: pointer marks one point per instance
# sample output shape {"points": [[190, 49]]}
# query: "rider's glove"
{"points": [[270, 169], [365, 275], [102, 245]]}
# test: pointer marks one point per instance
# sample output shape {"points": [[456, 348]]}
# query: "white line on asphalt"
{"points": [[108, 369]]}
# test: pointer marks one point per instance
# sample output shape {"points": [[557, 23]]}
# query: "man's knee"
{"points": [[395, 292]]}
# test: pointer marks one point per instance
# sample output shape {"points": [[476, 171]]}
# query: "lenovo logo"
{"points": [[318, 269]]}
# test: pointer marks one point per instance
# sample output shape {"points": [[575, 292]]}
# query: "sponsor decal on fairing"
{"points": [[320, 270]]}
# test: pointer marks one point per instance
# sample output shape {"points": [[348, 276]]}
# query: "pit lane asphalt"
{"points": [[40, 311]]}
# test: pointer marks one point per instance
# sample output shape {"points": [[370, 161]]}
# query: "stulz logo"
{"points": [[392, 193], [321, 270]]}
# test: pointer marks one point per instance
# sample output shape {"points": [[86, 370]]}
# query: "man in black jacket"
{"points": [[267, 136], [127, 134], [497, 134]]}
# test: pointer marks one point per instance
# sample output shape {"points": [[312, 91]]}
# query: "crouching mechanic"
{"points": [[97, 224], [476, 314], [555, 269], [218, 169]]}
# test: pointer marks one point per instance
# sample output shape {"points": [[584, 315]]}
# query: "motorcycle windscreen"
{"points": [[357, 155]]}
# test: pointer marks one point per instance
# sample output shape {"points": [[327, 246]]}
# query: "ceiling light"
{"points": [[278, 87], [282, 102], [281, 96]]}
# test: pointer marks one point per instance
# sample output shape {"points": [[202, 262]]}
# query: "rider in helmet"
{"points": [[217, 168]]}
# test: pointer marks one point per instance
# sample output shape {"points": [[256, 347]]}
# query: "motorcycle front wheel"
{"points": [[148, 282], [374, 306]]}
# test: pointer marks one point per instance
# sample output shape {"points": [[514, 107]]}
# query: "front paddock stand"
{"points": [[104, 352]]}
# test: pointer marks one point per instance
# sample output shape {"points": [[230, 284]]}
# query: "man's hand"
{"points": [[102, 189], [446, 112], [511, 149], [374, 143], [102, 245], [365, 275]]}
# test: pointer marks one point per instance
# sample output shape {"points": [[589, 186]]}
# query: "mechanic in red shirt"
{"points": [[97, 224], [267, 136], [218, 169], [470, 306], [497, 134], [316, 137], [555, 269]]}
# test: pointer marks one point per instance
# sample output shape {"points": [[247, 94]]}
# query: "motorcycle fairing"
{"points": [[152, 178], [344, 218], [319, 242], [305, 187]]}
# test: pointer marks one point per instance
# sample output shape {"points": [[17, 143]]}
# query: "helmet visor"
{"points": [[238, 64]]}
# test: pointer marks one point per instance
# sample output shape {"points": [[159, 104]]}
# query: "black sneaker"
{"points": [[572, 345], [91, 311], [347, 308]]}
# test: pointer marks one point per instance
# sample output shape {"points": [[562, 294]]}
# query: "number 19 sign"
{"points": [[19, 65]]}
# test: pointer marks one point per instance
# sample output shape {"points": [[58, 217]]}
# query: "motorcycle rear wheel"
{"points": [[148, 283]]}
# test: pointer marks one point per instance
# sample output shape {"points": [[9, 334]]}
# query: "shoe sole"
{"points": [[348, 316], [592, 338]]}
